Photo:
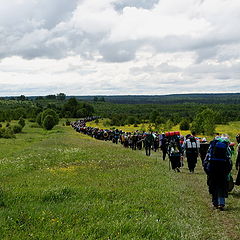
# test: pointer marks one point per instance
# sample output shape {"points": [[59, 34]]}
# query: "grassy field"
{"points": [[64, 185]]}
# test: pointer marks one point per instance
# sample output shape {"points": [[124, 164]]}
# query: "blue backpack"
{"points": [[219, 150]]}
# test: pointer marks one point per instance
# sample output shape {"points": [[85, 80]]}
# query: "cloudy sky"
{"points": [[109, 47]]}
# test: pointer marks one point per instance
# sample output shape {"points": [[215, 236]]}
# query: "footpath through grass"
{"points": [[64, 185]]}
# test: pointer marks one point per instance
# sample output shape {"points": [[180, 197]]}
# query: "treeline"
{"points": [[159, 112], [186, 110], [71, 108], [226, 98], [200, 118]]}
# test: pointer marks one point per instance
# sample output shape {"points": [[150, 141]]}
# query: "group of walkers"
{"points": [[215, 155]]}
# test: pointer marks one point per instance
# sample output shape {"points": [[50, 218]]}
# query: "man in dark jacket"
{"points": [[218, 165], [148, 142], [164, 146]]}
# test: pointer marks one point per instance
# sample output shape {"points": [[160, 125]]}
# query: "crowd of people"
{"points": [[215, 155]]}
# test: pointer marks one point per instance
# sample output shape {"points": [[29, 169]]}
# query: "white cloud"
{"points": [[119, 46]]}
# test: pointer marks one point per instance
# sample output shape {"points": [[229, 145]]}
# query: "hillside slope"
{"points": [[65, 185]]}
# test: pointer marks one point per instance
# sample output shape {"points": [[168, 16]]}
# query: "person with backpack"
{"points": [[217, 166], [204, 145], [175, 153], [191, 147], [148, 142], [164, 146]]}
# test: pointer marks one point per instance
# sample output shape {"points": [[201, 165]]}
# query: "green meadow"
{"points": [[60, 184]]}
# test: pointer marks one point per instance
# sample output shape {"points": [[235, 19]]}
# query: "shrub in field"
{"points": [[6, 133], [21, 122], [17, 128], [48, 122], [52, 113]]}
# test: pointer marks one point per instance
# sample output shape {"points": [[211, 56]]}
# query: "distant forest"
{"points": [[132, 109], [228, 98]]}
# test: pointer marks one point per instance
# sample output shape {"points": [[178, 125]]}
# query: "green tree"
{"points": [[51, 97], [204, 122], [61, 96], [21, 98], [71, 107], [51, 113], [48, 122]]}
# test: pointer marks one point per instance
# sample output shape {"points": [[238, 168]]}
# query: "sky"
{"points": [[119, 47]]}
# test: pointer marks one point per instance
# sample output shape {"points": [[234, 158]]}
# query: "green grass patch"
{"points": [[60, 184]]}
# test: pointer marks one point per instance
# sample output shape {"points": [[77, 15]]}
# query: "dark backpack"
{"points": [[219, 150]]}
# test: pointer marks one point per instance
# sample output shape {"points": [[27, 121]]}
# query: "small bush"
{"points": [[17, 128], [8, 124], [6, 133], [52, 113], [48, 122]]}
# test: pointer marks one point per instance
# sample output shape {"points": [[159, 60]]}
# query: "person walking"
{"points": [[148, 142], [164, 146], [191, 147], [175, 153], [218, 165]]}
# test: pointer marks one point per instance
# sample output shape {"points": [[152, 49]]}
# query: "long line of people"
{"points": [[215, 155], [171, 143]]}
